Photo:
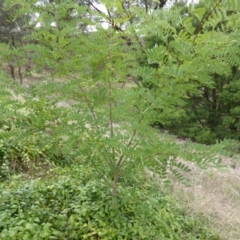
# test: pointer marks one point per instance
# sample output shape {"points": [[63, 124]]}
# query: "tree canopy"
{"points": [[186, 56]]}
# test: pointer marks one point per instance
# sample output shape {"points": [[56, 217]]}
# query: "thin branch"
{"points": [[96, 8], [101, 174], [121, 160], [111, 117], [204, 20], [86, 99], [110, 111], [146, 5]]}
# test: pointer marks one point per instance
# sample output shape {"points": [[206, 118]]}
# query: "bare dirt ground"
{"points": [[35, 78]]}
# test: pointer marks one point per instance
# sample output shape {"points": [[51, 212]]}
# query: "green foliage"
{"points": [[54, 124], [91, 122], [75, 205], [11, 30], [27, 138], [196, 71], [227, 147]]}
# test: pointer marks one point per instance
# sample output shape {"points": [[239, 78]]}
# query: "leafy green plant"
{"points": [[27, 135], [74, 204], [104, 124], [192, 63], [98, 129], [227, 147]]}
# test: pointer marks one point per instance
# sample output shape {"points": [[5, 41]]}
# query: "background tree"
{"points": [[200, 71], [12, 30]]}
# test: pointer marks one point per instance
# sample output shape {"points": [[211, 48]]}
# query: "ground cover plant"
{"points": [[73, 204], [80, 157]]}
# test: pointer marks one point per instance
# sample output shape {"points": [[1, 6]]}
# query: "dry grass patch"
{"points": [[216, 196]]}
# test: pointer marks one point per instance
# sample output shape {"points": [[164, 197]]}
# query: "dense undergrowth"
{"points": [[75, 204], [51, 190]]}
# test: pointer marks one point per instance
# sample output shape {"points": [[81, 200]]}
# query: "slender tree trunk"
{"points": [[115, 187], [20, 75], [28, 66], [12, 71]]}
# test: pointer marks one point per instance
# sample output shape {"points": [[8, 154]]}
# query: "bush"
{"points": [[34, 131]]}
